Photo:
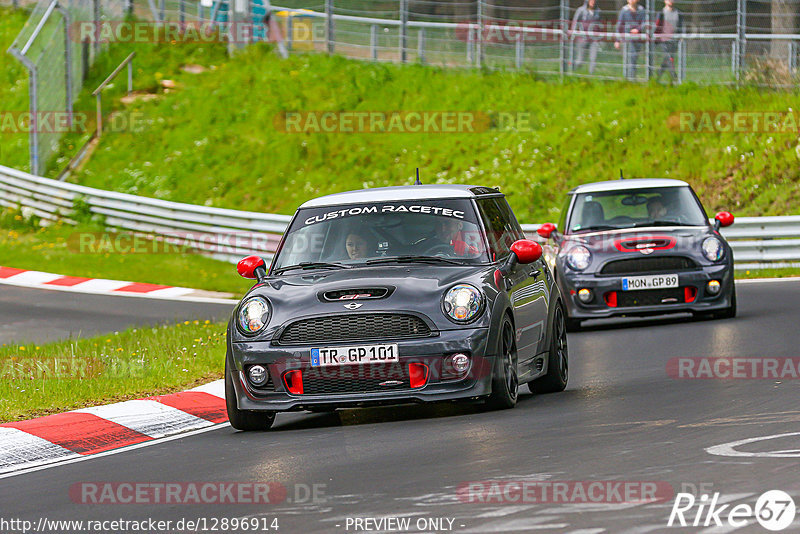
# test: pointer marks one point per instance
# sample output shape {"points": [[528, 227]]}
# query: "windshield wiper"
{"points": [[414, 259], [659, 223], [598, 227], [311, 265]]}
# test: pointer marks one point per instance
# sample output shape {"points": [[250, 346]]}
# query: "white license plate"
{"points": [[358, 355], [656, 281]]}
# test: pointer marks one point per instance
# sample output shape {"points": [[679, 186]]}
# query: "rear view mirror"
{"points": [[546, 230], [527, 251], [252, 267], [724, 219]]}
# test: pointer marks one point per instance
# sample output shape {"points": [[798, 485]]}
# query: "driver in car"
{"points": [[656, 209]]}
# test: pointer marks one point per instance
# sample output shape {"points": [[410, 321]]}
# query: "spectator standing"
{"points": [[631, 21], [668, 23], [587, 18]]}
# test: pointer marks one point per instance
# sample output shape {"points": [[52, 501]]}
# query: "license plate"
{"points": [[363, 354], [656, 281]]}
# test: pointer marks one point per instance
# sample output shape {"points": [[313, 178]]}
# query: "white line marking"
{"points": [[767, 280], [115, 451], [77, 289], [20, 448], [729, 449], [216, 388], [34, 277], [148, 417]]}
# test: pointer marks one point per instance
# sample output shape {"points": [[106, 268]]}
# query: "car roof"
{"points": [[398, 193], [627, 183]]}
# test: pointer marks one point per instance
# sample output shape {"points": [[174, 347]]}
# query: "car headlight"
{"points": [[462, 303], [712, 249], [253, 315], [579, 257]]}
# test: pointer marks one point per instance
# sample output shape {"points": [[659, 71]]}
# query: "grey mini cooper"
{"points": [[395, 295], [641, 247]]}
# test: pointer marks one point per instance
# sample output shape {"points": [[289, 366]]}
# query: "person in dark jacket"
{"points": [[587, 18], [668, 23], [631, 21]]}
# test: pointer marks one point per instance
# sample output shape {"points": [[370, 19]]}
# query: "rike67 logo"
{"points": [[774, 510]]}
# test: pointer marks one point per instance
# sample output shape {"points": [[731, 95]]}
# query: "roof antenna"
{"points": [[417, 182], [621, 177]]}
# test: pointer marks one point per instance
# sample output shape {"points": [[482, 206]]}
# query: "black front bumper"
{"points": [[690, 297], [429, 351]]}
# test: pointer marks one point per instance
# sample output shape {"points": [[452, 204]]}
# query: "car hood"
{"points": [[416, 289], [657, 238]]}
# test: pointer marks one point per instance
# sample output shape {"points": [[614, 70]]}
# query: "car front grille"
{"points": [[354, 327], [649, 265], [355, 379], [650, 297]]}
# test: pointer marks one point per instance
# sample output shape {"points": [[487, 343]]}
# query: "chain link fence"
{"points": [[57, 64], [701, 41]]}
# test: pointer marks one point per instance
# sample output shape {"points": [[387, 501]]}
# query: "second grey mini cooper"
{"points": [[641, 247], [395, 295]]}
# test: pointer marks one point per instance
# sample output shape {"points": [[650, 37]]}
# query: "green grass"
{"points": [[13, 90], [214, 141], [768, 273], [57, 249], [37, 380]]}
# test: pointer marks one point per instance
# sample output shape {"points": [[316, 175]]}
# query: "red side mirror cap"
{"points": [[527, 251], [546, 230], [248, 265], [725, 218]]}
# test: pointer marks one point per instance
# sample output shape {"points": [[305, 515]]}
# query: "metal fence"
{"points": [[717, 41], [230, 234], [57, 64]]}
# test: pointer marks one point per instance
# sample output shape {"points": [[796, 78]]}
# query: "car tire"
{"points": [[730, 311], [505, 382], [572, 325], [725, 313], [243, 419], [557, 359]]}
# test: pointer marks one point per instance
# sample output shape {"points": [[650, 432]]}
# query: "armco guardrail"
{"points": [[230, 234], [757, 242], [221, 233]]}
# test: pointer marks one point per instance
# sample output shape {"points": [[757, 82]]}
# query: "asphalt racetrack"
{"points": [[623, 418]]}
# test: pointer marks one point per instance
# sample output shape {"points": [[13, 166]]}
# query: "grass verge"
{"points": [[56, 249], [66, 375]]}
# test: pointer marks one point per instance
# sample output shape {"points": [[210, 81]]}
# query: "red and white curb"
{"points": [[101, 286], [89, 431]]}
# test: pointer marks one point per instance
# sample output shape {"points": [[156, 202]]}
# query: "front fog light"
{"points": [[257, 375], [455, 365], [460, 362], [585, 295], [713, 287]]}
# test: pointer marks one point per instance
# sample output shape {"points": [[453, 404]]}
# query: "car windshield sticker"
{"points": [[361, 210]]}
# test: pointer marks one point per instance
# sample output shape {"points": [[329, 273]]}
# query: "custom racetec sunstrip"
{"points": [[641, 247], [395, 295]]}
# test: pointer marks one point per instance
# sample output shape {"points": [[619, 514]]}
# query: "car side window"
{"points": [[502, 228]]}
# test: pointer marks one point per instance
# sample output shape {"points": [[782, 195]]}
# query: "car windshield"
{"points": [[406, 232], [656, 206]]}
